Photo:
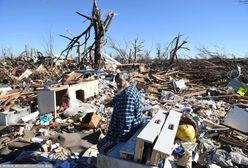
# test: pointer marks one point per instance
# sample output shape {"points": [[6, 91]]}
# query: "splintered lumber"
{"points": [[71, 76], [232, 140], [9, 95], [211, 72], [214, 126], [10, 102], [157, 77], [149, 134], [165, 143]]}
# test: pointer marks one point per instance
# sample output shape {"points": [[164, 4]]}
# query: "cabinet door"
{"points": [[46, 101]]}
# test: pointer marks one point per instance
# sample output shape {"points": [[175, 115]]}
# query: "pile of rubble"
{"points": [[210, 72], [55, 115]]}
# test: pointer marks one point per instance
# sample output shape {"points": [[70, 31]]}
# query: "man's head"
{"points": [[122, 80]]}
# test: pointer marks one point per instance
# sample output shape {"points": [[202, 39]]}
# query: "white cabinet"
{"points": [[48, 100]]}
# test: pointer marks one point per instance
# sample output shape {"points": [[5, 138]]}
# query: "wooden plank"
{"points": [[139, 150], [71, 76], [164, 145], [154, 158], [9, 95], [158, 78], [57, 88], [128, 149]]}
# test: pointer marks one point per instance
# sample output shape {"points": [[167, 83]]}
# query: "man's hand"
{"points": [[107, 146], [107, 100]]}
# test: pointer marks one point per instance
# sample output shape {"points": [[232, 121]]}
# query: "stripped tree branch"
{"points": [[100, 28]]}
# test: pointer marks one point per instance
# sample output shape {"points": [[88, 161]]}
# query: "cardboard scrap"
{"points": [[90, 120]]}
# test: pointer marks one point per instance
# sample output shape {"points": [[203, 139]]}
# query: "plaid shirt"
{"points": [[127, 114]]}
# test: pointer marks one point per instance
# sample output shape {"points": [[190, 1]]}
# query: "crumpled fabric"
{"points": [[46, 118], [236, 157], [60, 153], [60, 164], [222, 158]]}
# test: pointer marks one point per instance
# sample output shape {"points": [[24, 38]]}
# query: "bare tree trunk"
{"points": [[137, 48], [98, 52], [79, 52], [173, 52], [135, 51], [100, 28]]}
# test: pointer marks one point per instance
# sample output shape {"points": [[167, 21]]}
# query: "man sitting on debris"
{"points": [[127, 114]]}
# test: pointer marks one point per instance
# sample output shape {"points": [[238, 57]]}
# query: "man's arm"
{"points": [[126, 116], [111, 103], [113, 127]]}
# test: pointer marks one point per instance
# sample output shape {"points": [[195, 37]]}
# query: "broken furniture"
{"points": [[49, 99], [147, 146], [165, 142], [149, 135]]}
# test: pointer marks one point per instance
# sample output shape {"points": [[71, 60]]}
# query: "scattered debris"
{"points": [[52, 109]]}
